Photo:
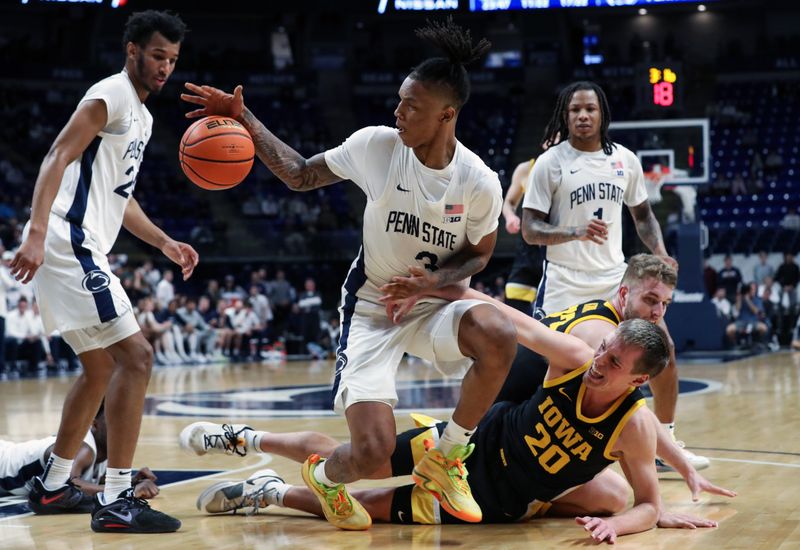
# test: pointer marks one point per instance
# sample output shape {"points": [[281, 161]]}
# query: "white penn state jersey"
{"points": [[574, 187], [415, 215], [96, 187], [20, 462]]}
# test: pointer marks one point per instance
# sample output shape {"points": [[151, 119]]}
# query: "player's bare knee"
{"points": [[372, 452], [140, 359], [488, 336]]}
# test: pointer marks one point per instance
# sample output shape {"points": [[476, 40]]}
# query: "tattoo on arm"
{"points": [[537, 231], [648, 229], [466, 262], [290, 166], [459, 267]]}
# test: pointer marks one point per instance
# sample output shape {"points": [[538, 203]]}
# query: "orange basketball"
{"points": [[216, 153]]}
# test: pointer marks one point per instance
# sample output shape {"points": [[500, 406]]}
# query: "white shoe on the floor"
{"points": [[229, 496], [697, 461], [203, 438]]}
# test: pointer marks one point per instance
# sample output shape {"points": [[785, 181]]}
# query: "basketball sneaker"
{"points": [[339, 507], [697, 461], [445, 477], [129, 514], [203, 438], [229, 496], [67, 499]]}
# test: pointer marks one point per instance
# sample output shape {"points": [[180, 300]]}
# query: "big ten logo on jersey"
{"points": [[452, 213], [547, 445], [602, 190], [410, 224], [134, 150]]}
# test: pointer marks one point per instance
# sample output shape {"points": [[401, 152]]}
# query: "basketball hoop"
{"points": [[653, 181]]}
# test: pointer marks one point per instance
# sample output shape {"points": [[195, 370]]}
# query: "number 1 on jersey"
{"points": [[598, 213]]}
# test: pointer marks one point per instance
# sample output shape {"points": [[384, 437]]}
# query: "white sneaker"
{"points": [[697, 461], [203, 438], [257, 491]]}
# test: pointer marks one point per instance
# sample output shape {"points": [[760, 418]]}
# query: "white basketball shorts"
{"points": [[75, 287], [562, 287], [371, 348]]}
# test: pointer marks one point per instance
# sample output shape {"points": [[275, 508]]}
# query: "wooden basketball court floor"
{"points": [[747, 420]]}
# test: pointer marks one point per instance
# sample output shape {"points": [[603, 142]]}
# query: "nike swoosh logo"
{"points": [[125, 473], [400, 515], [573, 171], [564, 393], [49, 500], [127, 516], [403, 190]]}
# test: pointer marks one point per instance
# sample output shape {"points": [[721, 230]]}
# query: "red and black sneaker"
{"points": [[67, 499], [129, 514]]}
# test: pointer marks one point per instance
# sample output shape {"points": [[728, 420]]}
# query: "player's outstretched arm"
{"points": [[637, 443], [535, 230], [137, 222], [88, 119], [297, 172], [564, 351], [674, 456]]}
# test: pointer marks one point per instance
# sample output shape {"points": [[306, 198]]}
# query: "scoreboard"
{"points": [[659, 86]]}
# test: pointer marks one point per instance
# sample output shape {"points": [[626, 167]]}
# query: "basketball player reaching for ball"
{"points": [[431, 203], [21, 462], [555, 447], [82, 196], [573, 205]]}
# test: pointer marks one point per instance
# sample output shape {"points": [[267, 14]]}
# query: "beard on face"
{"points": [[141, 75]]}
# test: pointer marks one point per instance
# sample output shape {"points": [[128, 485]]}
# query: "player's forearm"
{"points": [[137, 222], [641, 517], [509, 210], [283, 161], [536, 231], [669, 451], [459, 267], [650, 232]]}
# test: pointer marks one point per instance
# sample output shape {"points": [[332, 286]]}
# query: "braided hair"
{"points": [[449, 72], [558, 121]]}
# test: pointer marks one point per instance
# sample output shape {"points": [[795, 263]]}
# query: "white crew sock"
{"points": [[56, 472], [253, 439], [454, 435], [276, 493], [321, 477], [117, 480]]}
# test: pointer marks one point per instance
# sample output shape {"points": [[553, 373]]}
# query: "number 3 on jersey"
{"points": [[122, 190], [432, 259]]}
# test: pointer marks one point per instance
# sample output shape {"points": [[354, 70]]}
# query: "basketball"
{"points": [[216, 153]]}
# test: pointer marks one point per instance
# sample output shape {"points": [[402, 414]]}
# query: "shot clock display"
{"points": [[659, 86]]}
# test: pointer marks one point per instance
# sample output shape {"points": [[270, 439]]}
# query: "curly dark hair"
{"points": [[141, 25], [557, 128], [449, 72]]}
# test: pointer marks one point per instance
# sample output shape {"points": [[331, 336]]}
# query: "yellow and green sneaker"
{"points": [[339, 507], [445, 477]]}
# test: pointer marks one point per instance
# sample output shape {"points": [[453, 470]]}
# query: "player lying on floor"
{"points": [[552, 451], [22, 464]]}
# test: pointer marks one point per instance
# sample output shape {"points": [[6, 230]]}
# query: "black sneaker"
{"points": [[64, 500], [129, 514]]}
